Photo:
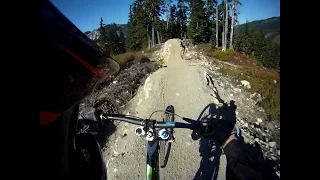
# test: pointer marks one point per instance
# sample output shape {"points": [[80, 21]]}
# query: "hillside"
{"points": [[270, 26]]}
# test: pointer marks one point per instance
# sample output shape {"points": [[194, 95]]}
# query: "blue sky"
{"points": [[85, 14]]}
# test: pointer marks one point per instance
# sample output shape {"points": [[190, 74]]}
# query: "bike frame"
{"points": [[152, 160], [153, 155]]}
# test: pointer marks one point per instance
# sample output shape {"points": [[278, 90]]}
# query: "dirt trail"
{"points": [[184, 87]]}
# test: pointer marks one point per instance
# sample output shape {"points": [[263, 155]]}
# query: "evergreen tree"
{"points": [[221, 23], [197, 28], [130, 32], [173, 30], [182, 18], [153, 10], [122, 41], [102, 40], [137, 27], [254, 44], [166, 11]]}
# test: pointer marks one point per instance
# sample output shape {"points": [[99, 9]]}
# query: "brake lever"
{"points": [[198, 126], [190, 120], [194, 122]]}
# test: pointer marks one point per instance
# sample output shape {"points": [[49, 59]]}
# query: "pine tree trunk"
{"points": [[181, 33], [207, 8], [223, 47], [226, 26], [167, 14], [153, 33], [148, 36], [158, 36], [217, 28], [223, 28], [232, 24]]}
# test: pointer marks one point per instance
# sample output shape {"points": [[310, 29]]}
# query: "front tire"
{"points": [[165, 146]]}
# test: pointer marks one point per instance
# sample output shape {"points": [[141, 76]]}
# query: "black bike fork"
{"points": [[152, 160]]}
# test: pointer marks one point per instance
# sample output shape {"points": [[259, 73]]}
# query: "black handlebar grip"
{"points": [[189, 120]]}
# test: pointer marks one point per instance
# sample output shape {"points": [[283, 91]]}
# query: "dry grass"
{"points": [[127, 57]]}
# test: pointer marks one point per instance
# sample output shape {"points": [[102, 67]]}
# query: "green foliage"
{"points": [[221, 24], [146, 14], [103, 36], [210, 9], [254, 44], [261, 82], [198, 28], [116, 41], [182, 17], [173, 30], [270, 27], [271, 103], [122, 41], [153, 7], [137, 26], [111, 41], [223, 55]]}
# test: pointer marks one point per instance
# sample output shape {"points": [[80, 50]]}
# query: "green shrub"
{"points": [[223, 55]]}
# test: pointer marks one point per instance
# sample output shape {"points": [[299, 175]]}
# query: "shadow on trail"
{"points": [[257, 161], [224, 118], [101, 131]]}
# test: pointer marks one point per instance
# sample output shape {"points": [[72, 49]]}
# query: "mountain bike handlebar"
{"points": [[192, 124]]}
